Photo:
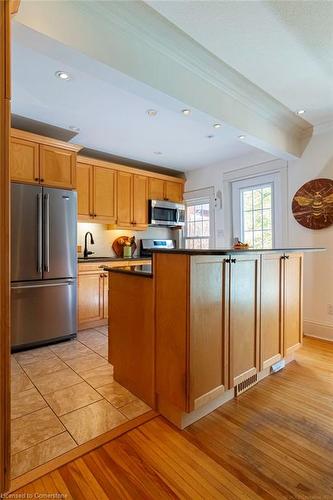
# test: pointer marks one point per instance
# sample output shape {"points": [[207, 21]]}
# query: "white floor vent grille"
{"points": [[246, 384]]}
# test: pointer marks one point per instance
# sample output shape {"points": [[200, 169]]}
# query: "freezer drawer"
{"points": [[42, 312]]}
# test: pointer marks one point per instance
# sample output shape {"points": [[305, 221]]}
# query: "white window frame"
{"points": [[199, 197], [273, 179]]}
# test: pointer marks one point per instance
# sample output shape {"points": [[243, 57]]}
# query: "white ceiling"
{"points": [[284, 47], [110, 108]]}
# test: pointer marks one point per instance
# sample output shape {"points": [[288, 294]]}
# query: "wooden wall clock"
{"points": [[312, 205]]}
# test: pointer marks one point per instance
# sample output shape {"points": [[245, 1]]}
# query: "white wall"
{"points": [[317, 161], [104, 238]]}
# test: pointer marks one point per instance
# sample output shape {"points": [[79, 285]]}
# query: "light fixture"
{"points": [[62, 75], [217, 125], [186, 112], [157, 152], [75, 129], [300, 112], [151, 112], [241, 137], [210, 136]]}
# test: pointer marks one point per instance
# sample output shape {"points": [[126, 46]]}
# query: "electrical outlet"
{"points": [[330, 309]]}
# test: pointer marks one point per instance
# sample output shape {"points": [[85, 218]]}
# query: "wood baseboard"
{"points": [[57, 462], [322, 331], [92, 324]]}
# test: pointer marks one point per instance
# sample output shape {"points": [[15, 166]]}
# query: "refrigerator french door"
{"points": [[43, 265]]}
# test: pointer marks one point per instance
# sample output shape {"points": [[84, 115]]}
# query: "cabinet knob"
{"points": [[37, 179], [227, 261], [41, 180], [101, 275], [233, 261]]}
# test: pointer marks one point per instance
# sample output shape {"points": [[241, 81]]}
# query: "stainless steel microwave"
{"points": [[166, 213]]}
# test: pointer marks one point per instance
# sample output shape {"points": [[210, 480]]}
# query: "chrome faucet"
{"points": [[86, 251]]}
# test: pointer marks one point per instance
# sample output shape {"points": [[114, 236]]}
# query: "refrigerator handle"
{"points": [[39, 233], [46, 233]]}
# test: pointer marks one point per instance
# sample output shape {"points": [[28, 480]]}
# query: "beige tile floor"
{"points": [[62, 396]]}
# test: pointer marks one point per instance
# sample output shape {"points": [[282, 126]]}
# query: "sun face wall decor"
{"points": [[312, 205]]}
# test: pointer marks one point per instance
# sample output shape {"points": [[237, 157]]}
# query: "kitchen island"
{"points": [[203, 326]]}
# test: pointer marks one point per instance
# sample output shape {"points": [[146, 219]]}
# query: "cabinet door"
{"points": [[156, 189], [208, 353], [24, 161], [106, 295], [173, 191], [84, 191], [293, 302], [57, 167], [124, 199], [104, 195], [90, 298], [244, 317], [140, 201], [271, 331]]}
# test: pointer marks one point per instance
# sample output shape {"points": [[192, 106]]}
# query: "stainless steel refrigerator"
{"points": [[43, 265]]}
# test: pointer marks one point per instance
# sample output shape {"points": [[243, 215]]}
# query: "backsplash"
{"points": [[104, 237]]}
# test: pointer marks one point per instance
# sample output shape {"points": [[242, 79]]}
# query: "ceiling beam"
{"points": [[137, 41]]}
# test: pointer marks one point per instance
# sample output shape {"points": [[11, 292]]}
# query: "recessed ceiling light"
{"points": [[186, 112], [151, 112], [217, 125], [157, 152], [300, 112], [210, 136], [62, 75], [241, 137], [75, 129]]}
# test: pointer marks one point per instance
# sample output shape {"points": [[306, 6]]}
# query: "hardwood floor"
{"points": [[274, 441]]}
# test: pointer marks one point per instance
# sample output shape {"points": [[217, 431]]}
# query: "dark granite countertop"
{"points": [[111, 259], [145, 271], [229, 251]]}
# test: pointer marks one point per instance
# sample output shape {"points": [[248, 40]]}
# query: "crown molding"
{"points": [[134, 39]]}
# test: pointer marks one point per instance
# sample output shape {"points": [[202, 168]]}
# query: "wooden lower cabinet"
{"points": [[90, 299], [293, 302], [243, 322], [271, 312], [208, 352]]}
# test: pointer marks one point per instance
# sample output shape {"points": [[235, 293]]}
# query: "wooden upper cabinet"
{"points": [[140, 201], [293, 314], [104, 195], [84, 190], [156, 189], [208, 352], [244, 318], [57, 167], [124, 199], [271, 309], [24, 161], [173, 191]]}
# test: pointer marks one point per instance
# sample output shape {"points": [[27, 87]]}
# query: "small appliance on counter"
{"points": [[166, 213], [146, 246], [43, 265]]}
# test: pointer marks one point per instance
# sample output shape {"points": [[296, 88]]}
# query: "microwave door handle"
{"points": [[46, 233]]}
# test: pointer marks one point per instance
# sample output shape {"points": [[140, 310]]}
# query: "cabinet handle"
{"points": [[286, 256], [227, 261], [37, 179], [233, 261], [41, 180], [101, 275]]}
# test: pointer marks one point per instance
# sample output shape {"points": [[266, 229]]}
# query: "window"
{"points": [[197, 230], [256, 216], [257, 211]]}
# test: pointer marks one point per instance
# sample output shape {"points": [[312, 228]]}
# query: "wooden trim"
{"points": [[130, 170], [91, 324], [4, 245], [50, 466], [47, 141], [14, 6]]}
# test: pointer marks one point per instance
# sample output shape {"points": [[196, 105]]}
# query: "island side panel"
{"points": [[208, 350], [293, 302], [271, 332], [171, 276], [131, 334]]}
